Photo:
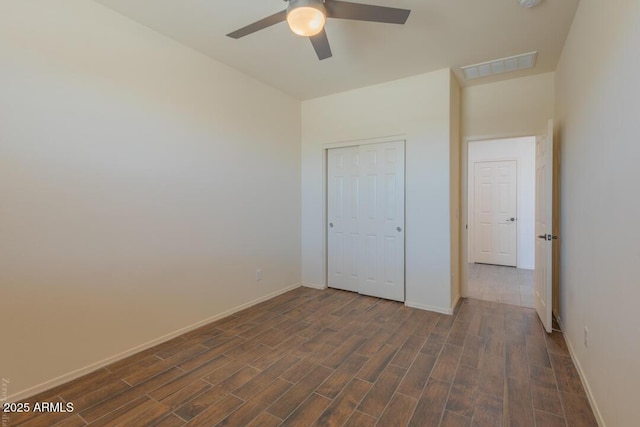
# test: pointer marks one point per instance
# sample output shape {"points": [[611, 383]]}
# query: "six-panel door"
{"points": [[365, 201]]}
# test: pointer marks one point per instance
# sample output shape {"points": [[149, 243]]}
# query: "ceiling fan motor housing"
{"points": [[315, 4]]}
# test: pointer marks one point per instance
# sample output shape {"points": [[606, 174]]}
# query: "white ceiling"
{"points": [[438, 34]]}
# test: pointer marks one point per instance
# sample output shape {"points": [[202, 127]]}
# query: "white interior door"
{"points": [[382, 220], [343, 195], [543, 296], [495, 205], [366, 219]]}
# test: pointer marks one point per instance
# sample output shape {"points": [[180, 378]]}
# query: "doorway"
{"points": [[365, 213], [501, 220]]}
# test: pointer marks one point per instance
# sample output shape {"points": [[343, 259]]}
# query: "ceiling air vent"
{"points": [[499, 66], [529, 3]]}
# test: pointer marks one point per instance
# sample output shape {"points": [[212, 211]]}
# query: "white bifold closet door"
{"points": [[365, 201]]}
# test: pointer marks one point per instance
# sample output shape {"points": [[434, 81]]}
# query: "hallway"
{"points": [[497, 283]]}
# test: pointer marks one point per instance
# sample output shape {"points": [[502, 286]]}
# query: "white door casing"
{"points": [[375, 210], [494, 209], [543, 276]]}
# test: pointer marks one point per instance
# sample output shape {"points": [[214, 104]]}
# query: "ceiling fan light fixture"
{"points": [[306, 17]]}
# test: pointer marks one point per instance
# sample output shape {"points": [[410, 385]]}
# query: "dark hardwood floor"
{"points": [[333, 358]]}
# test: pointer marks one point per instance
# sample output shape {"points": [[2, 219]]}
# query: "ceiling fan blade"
{"points": [[320, 43], [259, 25], [366, 12]]}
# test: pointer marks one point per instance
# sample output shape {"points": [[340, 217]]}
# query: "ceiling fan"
{"points": [[307, 18]]}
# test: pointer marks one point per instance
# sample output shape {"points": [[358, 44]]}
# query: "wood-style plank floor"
{"points": [[334, 358]]}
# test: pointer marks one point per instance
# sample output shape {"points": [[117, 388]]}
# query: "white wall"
{"points": [[455, 166], [416, 109], [522, 150], [598, 100], [141, 185], [516, 107]]}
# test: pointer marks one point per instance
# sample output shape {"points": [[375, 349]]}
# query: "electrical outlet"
{"points": [[258, 274], [586, 337]]}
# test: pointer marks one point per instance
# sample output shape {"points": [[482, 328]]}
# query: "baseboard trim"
{"points": [[440, 310], [583, 378], [97, 365], [314, 286]]}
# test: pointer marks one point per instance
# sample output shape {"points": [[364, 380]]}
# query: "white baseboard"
{"points": [[583, 378], [97, 365], [440, 310], [314, 286]]}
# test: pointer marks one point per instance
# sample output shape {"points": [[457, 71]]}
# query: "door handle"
{"points": [[511, 219], [331, 225], [398, 229], [548, 237]]}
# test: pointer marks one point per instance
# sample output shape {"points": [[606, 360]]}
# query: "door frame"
{"points": [[464, 202], [325, 206]]}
